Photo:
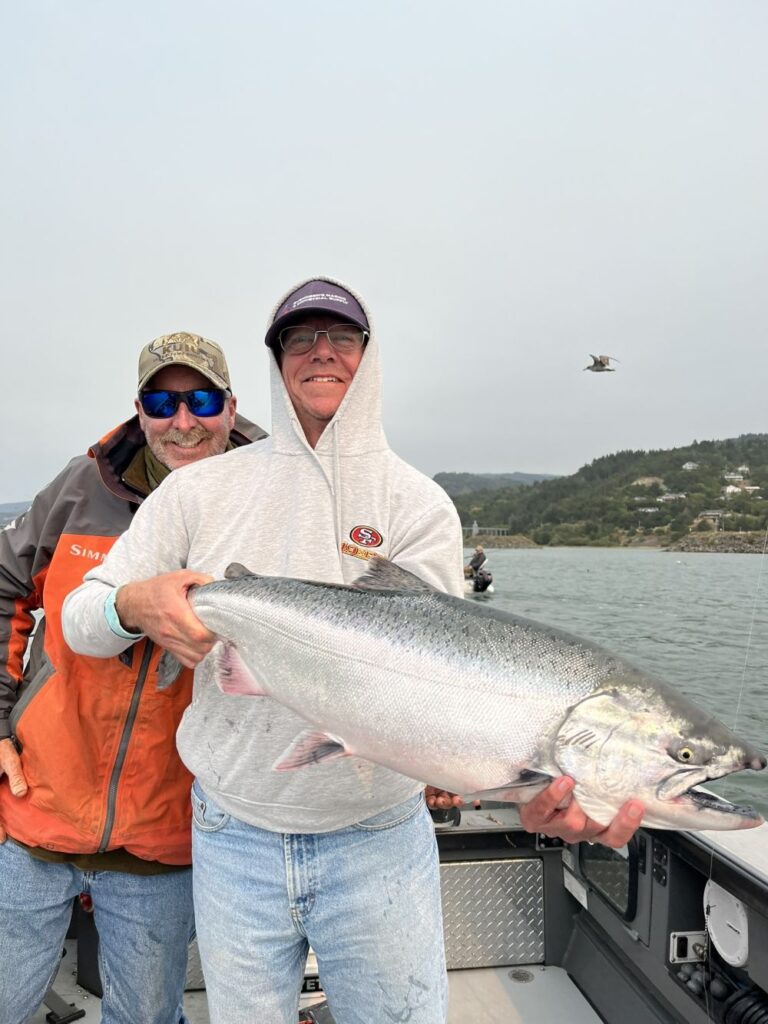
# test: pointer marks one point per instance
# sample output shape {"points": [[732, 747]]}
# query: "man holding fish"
{"points": [[330, 850], [94, 798]]}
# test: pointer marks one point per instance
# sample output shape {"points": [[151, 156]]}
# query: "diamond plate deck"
{"points": [[493, 912]]}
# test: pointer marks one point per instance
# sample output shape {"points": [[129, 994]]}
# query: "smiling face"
{"points": [[185, 438], [318, 380]]}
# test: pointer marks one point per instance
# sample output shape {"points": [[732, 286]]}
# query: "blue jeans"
{"points": [[366, 898], [144, 924]]}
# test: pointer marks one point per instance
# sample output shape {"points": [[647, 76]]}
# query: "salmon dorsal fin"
{"points": [[235, 570], [382, 574]]}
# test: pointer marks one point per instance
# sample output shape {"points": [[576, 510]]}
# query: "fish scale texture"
{"points": [[444, 691]]}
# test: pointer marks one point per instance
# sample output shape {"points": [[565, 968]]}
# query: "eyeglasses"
{"points": [[296, 341], [162, 404]]}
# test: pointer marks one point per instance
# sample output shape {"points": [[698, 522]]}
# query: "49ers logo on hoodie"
{"points": [[366, 536]]}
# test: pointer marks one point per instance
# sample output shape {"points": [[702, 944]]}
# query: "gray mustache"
{"points": [[193, 436]]}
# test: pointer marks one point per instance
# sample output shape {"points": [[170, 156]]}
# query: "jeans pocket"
{"points": [[206, 815], [394, 816]]}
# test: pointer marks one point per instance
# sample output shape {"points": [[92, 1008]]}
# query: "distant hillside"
{"points": [[623, 498], [9, 511], [468, 483]]}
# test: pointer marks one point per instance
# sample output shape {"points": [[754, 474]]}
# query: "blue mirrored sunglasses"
{"points": [[162, 404]]}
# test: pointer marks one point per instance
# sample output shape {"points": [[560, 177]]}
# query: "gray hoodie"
{"points": [[282, 509]]}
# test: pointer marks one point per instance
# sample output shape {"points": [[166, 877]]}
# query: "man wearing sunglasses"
{"points": [[93, 795], [341, 855]]}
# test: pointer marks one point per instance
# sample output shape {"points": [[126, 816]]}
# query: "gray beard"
{"points": [[187, 438]]}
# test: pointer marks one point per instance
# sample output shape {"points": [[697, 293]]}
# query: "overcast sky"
{"points": [[510, 185]]}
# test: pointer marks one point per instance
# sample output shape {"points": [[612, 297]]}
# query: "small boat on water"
{"points": [[480, 583], [478, 578], [673, 929]]}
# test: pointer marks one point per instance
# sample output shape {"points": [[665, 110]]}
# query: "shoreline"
{"points": [[723, 543]]}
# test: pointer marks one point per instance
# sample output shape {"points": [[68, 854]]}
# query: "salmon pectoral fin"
{"points": [[517, 791], [232, 674], [310, 747]]}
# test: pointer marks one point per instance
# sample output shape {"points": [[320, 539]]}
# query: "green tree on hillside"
{"points": [[602, 503]]}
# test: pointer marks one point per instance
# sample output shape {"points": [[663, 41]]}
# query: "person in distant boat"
{"points": [[341, 855], [94, 798], [477, 572], [477, 561]]}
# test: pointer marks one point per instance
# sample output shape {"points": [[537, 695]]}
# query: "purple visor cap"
{"points": [[318, 297]]}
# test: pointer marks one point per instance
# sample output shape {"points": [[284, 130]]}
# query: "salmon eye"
{"points": [[691, 752]]}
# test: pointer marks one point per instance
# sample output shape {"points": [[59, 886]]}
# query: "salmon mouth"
{"points": [[682, 789], [704, 800]]}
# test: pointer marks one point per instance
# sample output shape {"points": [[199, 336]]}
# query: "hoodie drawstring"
{"points": [[337, 485]]}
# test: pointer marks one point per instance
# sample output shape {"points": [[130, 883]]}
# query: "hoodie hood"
{"points": [[356, 427]]}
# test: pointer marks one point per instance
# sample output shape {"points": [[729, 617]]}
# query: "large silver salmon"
{"points": [[465, 698]]}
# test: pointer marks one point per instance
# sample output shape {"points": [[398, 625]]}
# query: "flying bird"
{"points": [[600, 364]]}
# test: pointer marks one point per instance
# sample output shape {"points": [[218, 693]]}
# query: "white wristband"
{"points": [[113, 619]]}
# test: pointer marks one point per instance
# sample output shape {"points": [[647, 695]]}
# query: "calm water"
{"points": [[697, 621]]}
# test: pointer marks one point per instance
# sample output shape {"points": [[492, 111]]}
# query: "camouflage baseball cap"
{"points": [[182, 349]]}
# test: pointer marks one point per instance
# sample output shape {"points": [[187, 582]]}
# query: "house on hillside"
{"points": [[673, 497], [649, 509], [734, 478], [648, 481], [730, 490], [688, 466], [743, 469]]}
